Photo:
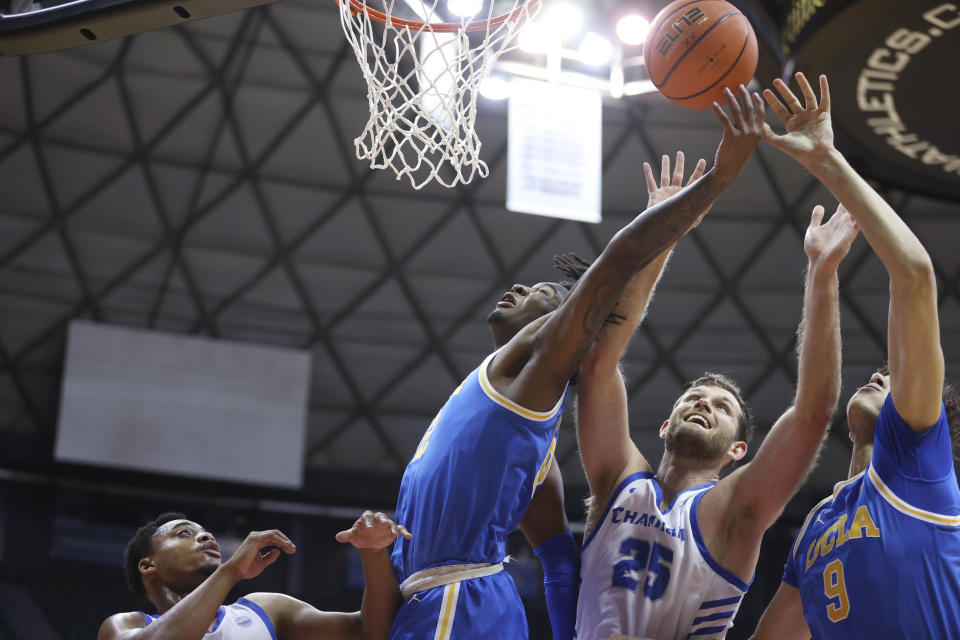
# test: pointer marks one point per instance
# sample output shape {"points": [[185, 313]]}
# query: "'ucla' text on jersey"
{"points": [[880, 558]]}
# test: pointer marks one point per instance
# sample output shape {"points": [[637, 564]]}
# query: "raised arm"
{"points": [[535, 365], [603, 430], [372, 534], [190, 618], [748, 501], [913, 334]]}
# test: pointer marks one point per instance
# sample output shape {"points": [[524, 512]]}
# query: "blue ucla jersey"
{"points": [[472, 477], [880, 558]]}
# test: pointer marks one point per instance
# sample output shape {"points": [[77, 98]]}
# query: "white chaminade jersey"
{"points": [[242, 620], [646, 573]]}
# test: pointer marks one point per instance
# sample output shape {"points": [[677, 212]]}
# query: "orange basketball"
{"points": [[696, 48]]}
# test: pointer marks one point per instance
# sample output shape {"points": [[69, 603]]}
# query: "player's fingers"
{"points": [[824, 94], [269, 558], [809, 97], [788, 98], [404, 532], [346, 536], [698, 171], [648, 174], [816, 217], [735, 109], [279, 539], [280, 535], [367, 519], [775, 104], [678, 170], [748, 108], [724, 118], [758, 108], [664, 170]]}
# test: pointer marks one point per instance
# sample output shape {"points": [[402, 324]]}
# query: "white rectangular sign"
{"points": [[183, 405], [554, 151]]}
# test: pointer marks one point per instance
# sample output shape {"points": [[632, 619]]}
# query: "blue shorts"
{"points": [[479, 608]]}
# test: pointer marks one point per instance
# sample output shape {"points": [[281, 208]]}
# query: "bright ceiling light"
{"points": [[595, 50], [633, 29], [538, 38], [464, 8], [495, 88], [564, 19]]}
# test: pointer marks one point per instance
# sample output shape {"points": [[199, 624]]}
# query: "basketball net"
{"points": [[423, 79]]}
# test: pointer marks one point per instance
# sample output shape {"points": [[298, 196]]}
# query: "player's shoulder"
{"points": [[113, 627], [820, 514], [272, 601]]}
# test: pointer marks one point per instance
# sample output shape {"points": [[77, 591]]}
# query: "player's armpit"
{"points": [[545, 516], [783, 617]]}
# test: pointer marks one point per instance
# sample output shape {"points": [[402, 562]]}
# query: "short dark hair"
{"points": [[142, 545], [745, 423]]}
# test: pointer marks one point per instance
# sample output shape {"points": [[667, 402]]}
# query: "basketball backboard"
{"points": [[31, 26]]}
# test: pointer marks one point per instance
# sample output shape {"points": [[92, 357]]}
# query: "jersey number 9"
{"points": [[835, 588]]}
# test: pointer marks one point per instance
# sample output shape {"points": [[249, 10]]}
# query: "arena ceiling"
{"points": [[201, 180]]}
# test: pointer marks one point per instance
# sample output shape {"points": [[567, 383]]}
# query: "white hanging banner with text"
{"points": [[554, 151]]}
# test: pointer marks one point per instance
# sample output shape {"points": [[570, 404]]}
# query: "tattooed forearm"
{"points": [[603, 297], [663, 224]]}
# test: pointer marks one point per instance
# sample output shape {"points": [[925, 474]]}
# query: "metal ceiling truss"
{"points": [[224, 80]]}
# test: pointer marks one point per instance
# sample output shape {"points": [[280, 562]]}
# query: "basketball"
{"points": [[695, 49]]}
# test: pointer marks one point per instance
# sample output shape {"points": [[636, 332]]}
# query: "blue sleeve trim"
{"points": [[698, 538], [221, 612], [710, 604], [147, 619], [674, 501], [616, 492], [253, 606], [707, 631], [714, 616]]}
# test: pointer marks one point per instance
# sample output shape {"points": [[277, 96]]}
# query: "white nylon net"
{"points": [[423, 84]]}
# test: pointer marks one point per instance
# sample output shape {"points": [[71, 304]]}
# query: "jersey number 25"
{"points": [[656, 560]]}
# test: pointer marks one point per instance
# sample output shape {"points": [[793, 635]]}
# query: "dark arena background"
{"points": [[187, 197]]}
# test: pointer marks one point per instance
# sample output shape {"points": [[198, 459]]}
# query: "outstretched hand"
{"points": [[249, 559], [828, 244], [809, 129], [669, 184], [373, 531], [741, 133]]}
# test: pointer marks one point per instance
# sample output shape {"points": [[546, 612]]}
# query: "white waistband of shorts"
{"points": [[446, 574]]}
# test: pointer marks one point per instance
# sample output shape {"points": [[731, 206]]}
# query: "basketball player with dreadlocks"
{"points": [[670, 554], [491, 446], [880, 558]]}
